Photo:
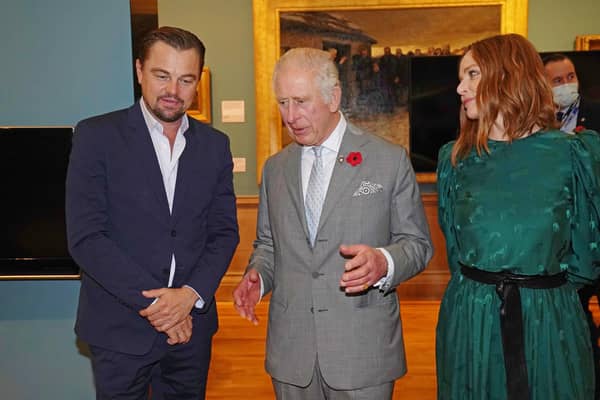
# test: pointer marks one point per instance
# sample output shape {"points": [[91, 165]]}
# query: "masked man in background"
{"points": [[575, 112]]}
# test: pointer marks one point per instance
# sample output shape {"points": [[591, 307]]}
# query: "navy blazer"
{"points": [[589, 114], [122, 235]]}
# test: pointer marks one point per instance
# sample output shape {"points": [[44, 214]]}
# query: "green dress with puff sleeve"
{"points": [[530, 207]]}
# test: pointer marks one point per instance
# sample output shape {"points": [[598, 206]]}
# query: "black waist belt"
{"points": [[511, 320]]}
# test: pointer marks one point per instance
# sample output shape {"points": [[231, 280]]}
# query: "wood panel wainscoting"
{"points": [[428, 285]]}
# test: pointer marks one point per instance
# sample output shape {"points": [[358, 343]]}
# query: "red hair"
{"points": [[513, 85]]}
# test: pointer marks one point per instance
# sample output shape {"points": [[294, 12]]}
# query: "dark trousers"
{"points": [[585, 294], [170, 372]]}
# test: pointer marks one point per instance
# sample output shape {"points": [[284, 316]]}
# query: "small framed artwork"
{"points": [[587, 42], [200, 108]]}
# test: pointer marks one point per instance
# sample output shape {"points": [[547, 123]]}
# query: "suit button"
{"points": [[315, 275], [173, 233], [312, 310]]}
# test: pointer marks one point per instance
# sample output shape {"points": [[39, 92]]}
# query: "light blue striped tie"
{"points": [[315, 195]]}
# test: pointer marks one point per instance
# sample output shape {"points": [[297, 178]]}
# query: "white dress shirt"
{"points": [[329, 154], [168, 162], [570, 114]]}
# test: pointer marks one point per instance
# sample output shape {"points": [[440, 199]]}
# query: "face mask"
{"points": [[565, 95]]}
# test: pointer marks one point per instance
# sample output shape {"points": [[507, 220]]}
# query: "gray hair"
{"points": [[309, 59]]}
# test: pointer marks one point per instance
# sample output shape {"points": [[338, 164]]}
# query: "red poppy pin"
{"points": [[579, 128], [354, 158]]}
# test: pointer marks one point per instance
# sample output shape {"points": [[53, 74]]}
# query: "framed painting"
{"points": [[200, 108], [379, 31], [587, 42]]}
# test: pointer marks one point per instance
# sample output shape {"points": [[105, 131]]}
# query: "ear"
{"points": [[138, 70], [336, 99]]}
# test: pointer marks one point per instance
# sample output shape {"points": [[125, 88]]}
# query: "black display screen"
{"points": [[434, 104], [433, 108], [34, 161]]}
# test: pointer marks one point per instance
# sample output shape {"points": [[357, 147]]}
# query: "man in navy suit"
{"points": [[151, 220]]}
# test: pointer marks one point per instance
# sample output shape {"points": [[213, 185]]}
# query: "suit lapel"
{"points": [[343, 173], [184, 170], [143, 151], [293, 171]]}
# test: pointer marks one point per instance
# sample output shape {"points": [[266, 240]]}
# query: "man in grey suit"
{"points": [[334, 322]]}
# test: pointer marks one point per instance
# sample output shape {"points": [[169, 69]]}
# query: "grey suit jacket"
{"points": [[357, 338]]}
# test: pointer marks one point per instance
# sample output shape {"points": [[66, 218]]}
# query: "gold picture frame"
{"points": [[266, 15], [587, 42], [200, 109]]}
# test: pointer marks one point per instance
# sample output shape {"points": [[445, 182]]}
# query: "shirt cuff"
{"points": [[384, 283], [262, 288], [200, 302]]}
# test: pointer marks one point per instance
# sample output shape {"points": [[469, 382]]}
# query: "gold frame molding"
{"points": [[267, 42], [202, 113], [583, 42], [49, 277]]}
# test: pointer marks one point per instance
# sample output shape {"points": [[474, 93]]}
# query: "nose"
{"points": [[171, 86], [291, 113], [461, 88]]}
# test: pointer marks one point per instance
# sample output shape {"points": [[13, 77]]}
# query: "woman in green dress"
{"points": [[519, 205]]}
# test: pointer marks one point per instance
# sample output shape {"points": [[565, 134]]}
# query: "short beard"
{"points": [[165, 118]]}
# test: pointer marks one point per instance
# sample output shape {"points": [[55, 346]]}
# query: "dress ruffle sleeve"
{"points": [[584, 265], [446, 186]]}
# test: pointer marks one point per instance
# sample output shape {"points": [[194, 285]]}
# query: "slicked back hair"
{"points": [[554, 57], [177, 38]]}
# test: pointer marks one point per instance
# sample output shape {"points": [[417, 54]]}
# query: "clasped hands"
{"points": [[170, 313], [365, 267]]}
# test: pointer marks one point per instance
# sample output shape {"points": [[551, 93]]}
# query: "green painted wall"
{"points": [[553, 25], [225, 27]]}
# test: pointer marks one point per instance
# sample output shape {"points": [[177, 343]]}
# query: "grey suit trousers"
{"points": [[318, 389]]}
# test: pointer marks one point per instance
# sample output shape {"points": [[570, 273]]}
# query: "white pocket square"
{"points": [[366, 188]]}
